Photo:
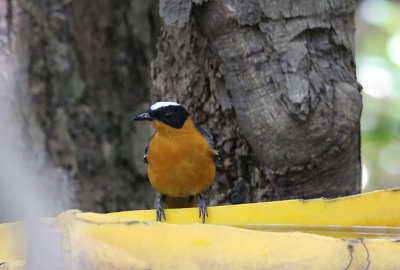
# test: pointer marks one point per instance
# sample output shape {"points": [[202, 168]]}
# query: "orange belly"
{"points": [[180, 166]]}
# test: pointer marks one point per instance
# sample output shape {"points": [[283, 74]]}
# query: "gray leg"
{"points": [[202, 207], [160, 208]]}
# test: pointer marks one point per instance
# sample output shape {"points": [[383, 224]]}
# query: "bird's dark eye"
{"points": [[167, 115]]}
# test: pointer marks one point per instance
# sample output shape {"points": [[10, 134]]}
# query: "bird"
{"points": [[180, 156]]}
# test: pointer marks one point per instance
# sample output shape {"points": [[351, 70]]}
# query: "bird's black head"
{"points": [[170, 113]]}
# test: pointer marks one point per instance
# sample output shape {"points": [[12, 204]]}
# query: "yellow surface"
{"points": [[121, 241], [11, 237], [379, 208], [104, 242], [12, 246]]}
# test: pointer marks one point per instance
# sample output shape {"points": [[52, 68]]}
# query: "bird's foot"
{"points": [[160, 208], [203, 211], [160, 212]]}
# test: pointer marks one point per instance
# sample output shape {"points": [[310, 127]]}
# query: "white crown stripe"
{"points": [[161, 104]]}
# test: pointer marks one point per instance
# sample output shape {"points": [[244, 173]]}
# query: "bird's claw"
{"points": [[203, 211], [160, 212]]}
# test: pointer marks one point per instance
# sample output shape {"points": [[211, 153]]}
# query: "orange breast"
{"points": [[180, 164]]}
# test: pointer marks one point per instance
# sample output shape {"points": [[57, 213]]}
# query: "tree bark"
{"points": [[275, 83], [83, 72]]}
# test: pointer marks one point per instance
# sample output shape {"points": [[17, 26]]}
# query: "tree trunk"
{"points": [[274, 81], [83, 73]]}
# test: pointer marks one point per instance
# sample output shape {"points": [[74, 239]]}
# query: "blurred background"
{"points": [[378, 70]]}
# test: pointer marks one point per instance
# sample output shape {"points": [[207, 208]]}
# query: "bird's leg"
{"points": [[202, 207], [160, 208]]}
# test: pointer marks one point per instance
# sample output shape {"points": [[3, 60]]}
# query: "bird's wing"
{"points": [[209, 140], [146, 151], [207, 137], [145, 154]]}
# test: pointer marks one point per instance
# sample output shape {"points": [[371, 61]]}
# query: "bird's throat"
{"points": [[168, 131]]}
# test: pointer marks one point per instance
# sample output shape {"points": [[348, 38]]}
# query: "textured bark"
{"points": [[275, 82], [83, 73]]}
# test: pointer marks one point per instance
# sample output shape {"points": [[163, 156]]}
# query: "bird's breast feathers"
{"points": [[180, 163]]}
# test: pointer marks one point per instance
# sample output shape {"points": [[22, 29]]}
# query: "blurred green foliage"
{"points": [[378, 70]]}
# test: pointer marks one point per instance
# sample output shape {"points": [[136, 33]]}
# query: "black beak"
{"points": [[143, 117]]}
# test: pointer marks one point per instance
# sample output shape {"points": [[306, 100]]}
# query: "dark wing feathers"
{"points": [[207, 137], [146, 151], [145, 154], [209, 140]]}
